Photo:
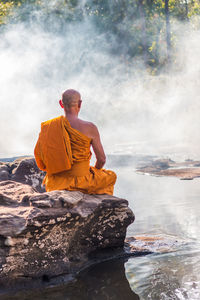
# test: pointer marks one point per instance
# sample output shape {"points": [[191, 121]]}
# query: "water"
{"points": [[163, 206]]}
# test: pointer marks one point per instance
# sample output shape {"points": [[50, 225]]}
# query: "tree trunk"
{"points": [[168, 30], [186, 10], [143, 25]]}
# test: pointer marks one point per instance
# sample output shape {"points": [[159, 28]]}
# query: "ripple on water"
{"points": [[166, 276]]}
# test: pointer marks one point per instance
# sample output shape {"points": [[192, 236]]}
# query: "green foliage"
{"points": [[5, 11], [140, 26], [137, 27]]}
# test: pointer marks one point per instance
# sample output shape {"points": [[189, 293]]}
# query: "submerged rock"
{"points": [[146, 244], [43, 235]]}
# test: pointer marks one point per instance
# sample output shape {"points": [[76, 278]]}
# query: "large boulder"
{"points": [[43, 235], [23, 170]]}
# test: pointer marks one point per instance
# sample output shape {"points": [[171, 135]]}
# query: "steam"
{"points": [[135, 112]]}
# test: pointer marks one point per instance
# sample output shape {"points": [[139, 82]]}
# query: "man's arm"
{"points": [[97, 147]]}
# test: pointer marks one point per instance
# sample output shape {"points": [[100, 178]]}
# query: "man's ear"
{"points": [[61, 104], [79, 103]]}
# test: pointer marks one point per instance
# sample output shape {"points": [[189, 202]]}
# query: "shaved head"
{"points": [[70, 98]]}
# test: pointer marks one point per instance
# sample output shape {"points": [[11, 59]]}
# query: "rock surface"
{"points": [[48, 234], [23, 170]]}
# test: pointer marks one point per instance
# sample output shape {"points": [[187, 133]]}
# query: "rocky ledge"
{"points": [[43, 235]]}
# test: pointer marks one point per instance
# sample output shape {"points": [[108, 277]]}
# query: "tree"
{"points": [[136, 27], [143, 27], [168, 31]]}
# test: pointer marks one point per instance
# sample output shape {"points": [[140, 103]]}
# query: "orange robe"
{"points": [[64, 154]]}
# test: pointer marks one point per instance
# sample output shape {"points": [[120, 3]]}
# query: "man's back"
{"points": [[85, 127], [75, 137], [91, 131]]}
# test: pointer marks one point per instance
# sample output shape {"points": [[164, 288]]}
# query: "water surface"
{"points": [[164, 206]]}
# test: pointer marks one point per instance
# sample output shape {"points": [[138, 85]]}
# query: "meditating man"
{"points": [[63, 152]]}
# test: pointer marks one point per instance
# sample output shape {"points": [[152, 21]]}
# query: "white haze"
{"points": [[135, 112]]}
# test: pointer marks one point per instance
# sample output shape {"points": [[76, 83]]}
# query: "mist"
{"points": [[134, 111]]}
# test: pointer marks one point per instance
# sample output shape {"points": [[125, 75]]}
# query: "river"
{"points": [[164, 207]]}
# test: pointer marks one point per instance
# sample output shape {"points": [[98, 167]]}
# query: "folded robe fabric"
{"points": [[64, 153], [53, 149]]}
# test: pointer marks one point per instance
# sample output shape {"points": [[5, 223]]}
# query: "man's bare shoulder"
{"points": [[87, 123], [89, 127]]}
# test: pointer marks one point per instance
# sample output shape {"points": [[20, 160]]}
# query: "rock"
{"points": [[43, 235], [4, 172], [25, 170], [153, 244], [186, 170], [12, 193], [162, 163]]}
